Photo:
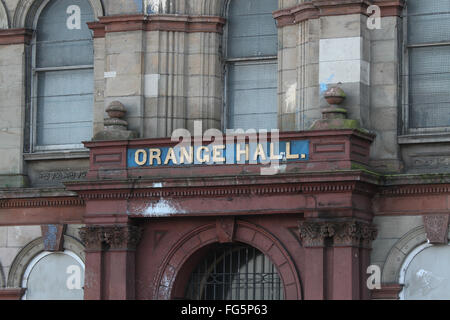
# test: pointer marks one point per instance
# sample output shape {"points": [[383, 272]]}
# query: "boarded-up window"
{"points": [[63, 74], [429, 63], [252, 65]]}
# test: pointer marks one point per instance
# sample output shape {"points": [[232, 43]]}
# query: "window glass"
{"points": [[429, 63], [64, 76], [252, 30], [251, 82]]}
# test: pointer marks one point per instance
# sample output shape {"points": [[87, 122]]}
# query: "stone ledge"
{"points": [[11, 293], [157, 22], [79, 154], [15, 36], [424, 138]]}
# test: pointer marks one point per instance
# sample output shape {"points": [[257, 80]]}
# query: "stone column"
{"points": [[336, 258], [313, 235], [351, 248], [110, 261]]}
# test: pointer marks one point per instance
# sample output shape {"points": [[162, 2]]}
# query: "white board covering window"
{"points": [[428, 42], [63, 75], [252, 65]]}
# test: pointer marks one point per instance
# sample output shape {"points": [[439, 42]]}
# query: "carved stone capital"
{"points": [[340, 233], [314, 233], [116, 236], [354, 233]]}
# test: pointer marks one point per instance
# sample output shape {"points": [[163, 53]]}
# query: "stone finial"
{"points": [[116, 128], [335, 116]]}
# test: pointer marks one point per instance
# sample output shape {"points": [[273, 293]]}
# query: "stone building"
{"points": [[99, 201]]}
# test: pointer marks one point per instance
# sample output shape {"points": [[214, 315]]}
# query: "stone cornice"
{"points": [[157, 22], [218, 191], [320, 8], [415, 190], [15, 36], [41, 202]]}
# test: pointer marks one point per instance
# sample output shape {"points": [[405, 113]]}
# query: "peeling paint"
{"points": [[162, 208], [50, 236], [324, 85]]}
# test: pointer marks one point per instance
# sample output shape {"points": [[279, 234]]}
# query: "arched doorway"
{"points": [[235, 271]]}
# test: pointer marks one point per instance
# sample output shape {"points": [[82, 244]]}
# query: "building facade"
{"points": [[123, 174]]}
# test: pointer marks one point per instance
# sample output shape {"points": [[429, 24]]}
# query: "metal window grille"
{"points": [[235, 272]]}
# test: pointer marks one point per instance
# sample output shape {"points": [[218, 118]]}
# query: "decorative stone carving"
{"points": [[313, 234], [342, 233], [354, 233], [60, 176], [115, 125], [436, 227], [116, 236]]}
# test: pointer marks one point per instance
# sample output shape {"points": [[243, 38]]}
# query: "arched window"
{"points": [[235, 272], [251, 60], [62, 82], [54, 276], [428, 70], [425, 274]]}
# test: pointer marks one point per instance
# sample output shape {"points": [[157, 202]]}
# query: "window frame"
{"points": [[226, 62], [34, 72], [409, 134]]}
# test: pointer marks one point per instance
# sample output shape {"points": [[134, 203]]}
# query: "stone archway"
{"points": [[200, 238], [26, 11], [31, 250], [399, 252], [2, 277], [4, 21]]}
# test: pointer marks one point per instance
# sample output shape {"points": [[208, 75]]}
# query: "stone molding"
{"points": [[26, 11], [41, 202], [415, 189], [341, 233], [11, 293], [157, 22], [124, 237], [15, 36], [4, 19], [388, 291], [322, 8], [205, 235], [26, 255]]}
